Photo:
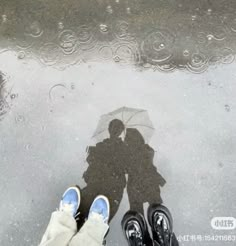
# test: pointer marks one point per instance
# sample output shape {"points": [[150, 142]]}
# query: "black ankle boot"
{"points": [[135, 229]]}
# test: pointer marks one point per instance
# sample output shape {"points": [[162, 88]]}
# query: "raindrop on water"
{"points": [[123, 30], [25, 41], [67, 41], [209, 37], [158, 46], [28, 146], [72, 86], [209, 11], [35, 29], [4, 18], [49, 54], [227, 55], [85, 37], [105, 52], [227, 108], [84, 34], [103, 28], [198, 63], [128, 11], [125, 54], [13, 96], [19, 118], [186, 53], [58, 92], [109, 9], [162, 46], [60, 25], [196, 59], [21, 55], [117, 59]]}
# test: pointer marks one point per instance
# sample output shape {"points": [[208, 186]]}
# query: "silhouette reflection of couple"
{"points": [[111, 159]]}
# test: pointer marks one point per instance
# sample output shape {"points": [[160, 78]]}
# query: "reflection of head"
{"points": [[116, 127], [134, 137]]}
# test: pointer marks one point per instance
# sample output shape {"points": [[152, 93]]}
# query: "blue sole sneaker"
{"points": [[70, 201]]}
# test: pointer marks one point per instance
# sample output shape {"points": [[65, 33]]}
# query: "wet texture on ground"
{"points": [[164, 35], [64, 65]]}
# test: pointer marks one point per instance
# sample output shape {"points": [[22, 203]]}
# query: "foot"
{"points": [[135, 229], [161, 222], [100, 209], [70, 201]]}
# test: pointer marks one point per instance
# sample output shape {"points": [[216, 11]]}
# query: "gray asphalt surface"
{"points": [[63, 64]]}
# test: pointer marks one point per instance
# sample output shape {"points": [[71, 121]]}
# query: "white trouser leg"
{"points": [[61, 228], [91, 234]]}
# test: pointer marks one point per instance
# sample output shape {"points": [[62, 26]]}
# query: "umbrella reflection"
{"points": [[130, 117]]}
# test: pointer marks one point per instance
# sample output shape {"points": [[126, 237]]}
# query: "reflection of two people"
{"points": [[112, 158]]}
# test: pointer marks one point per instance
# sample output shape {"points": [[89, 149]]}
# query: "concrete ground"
{"points": [[63, 64]]}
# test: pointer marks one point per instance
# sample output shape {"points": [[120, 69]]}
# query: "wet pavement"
{"points": [[65, 64]]}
